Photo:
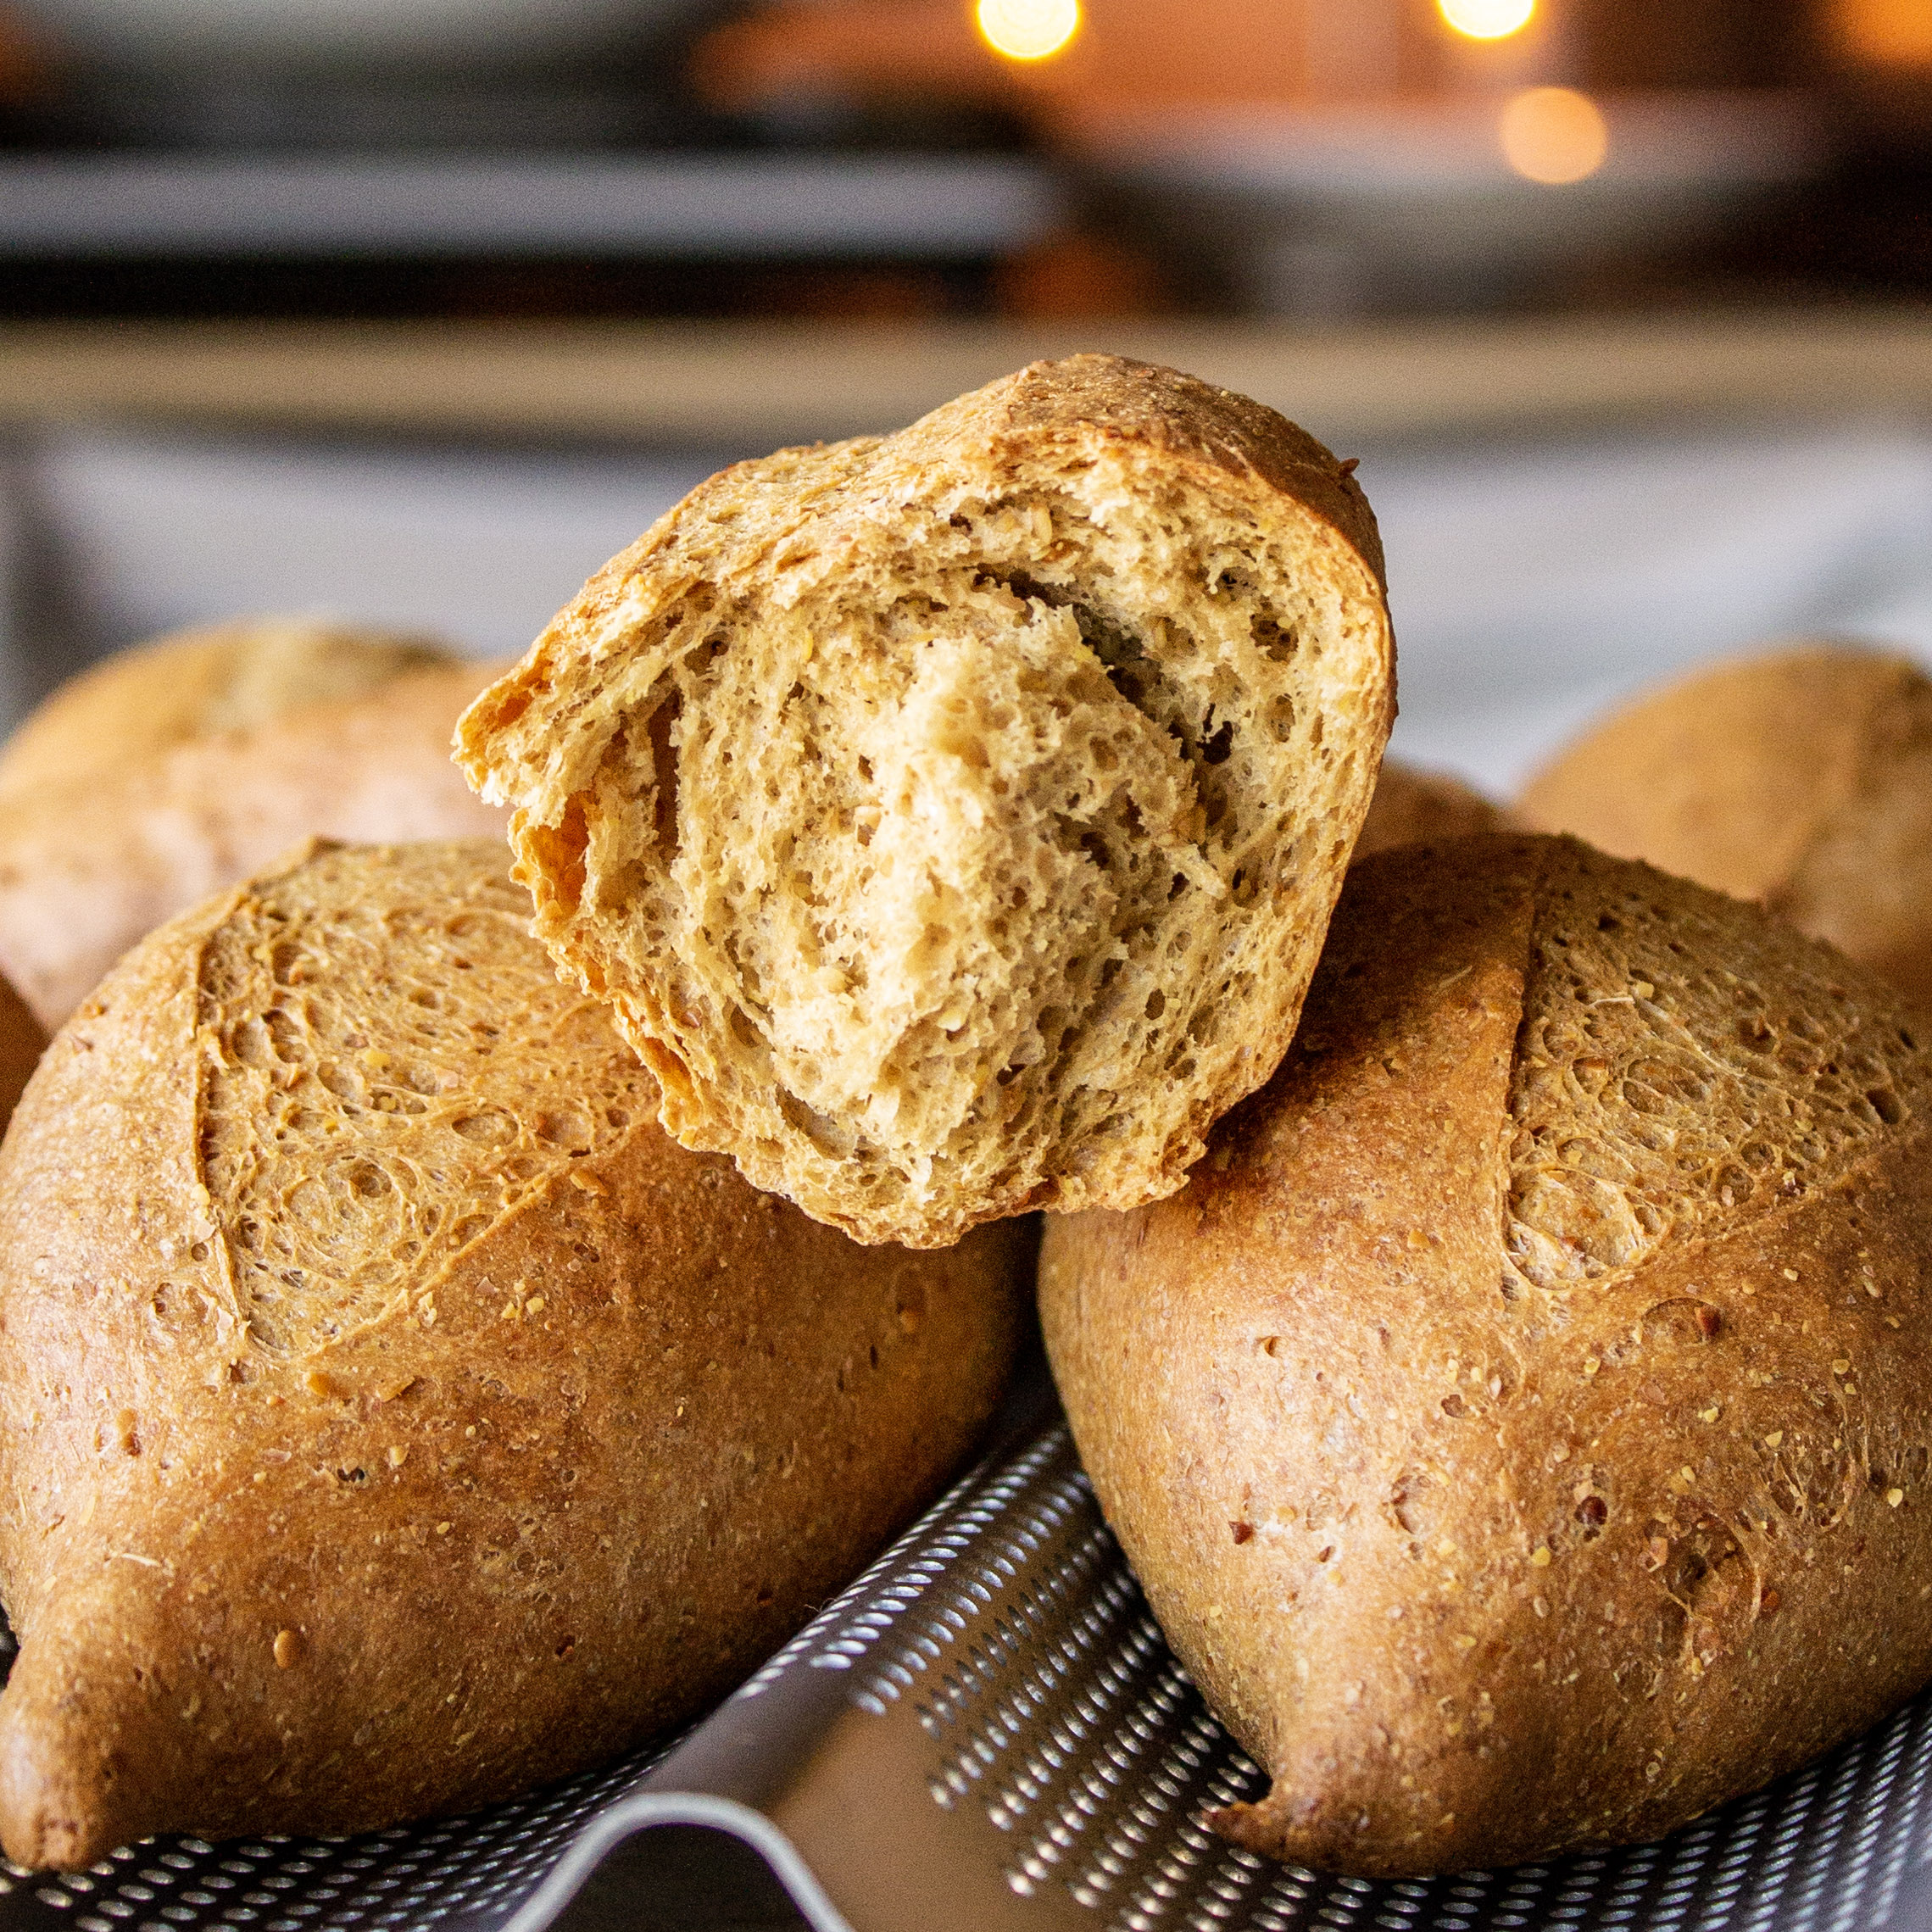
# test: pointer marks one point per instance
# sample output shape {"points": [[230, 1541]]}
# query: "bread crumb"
{"points": [[1539, 1557], [1895, 1497], [443, 1529], [1775, 1440], [1790, 1274], [1842, 1366], [1591, 1365], [1709, 1415], [398, 1456]]}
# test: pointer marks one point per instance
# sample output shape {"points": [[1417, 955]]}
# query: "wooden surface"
{"points": [[754, 385]]}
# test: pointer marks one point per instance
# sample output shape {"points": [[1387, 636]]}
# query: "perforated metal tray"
{"points": [[987, 1733]]}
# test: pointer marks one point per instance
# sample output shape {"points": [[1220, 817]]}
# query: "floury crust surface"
{"points": [[953, 818], [395, 1417], [1520, 1422]]}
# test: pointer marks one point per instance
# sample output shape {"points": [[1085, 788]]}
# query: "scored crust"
{"points": [[1801, 776], [952, 818], [395, 1417], [1518, 1424]]}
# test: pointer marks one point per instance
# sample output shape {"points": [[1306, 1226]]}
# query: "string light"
{"points": [[1553, 135], [1487, 19], [1028, 30]]}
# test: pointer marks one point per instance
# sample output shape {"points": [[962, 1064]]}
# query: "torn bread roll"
{"points": [[396, 1418], [1799, 776], [171, 771], [952, 818], [1520, 1423]]}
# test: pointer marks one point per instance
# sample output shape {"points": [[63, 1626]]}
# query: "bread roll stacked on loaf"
{"points": [[1411, 808], [1801, 777], [395, 1417], [952, 819], [171, 771], [1520, 1423]]}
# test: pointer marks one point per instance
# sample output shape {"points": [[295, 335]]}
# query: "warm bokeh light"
{"points": [[1487, 19], [1028, 30], [1890, 33], [1553, 135]]}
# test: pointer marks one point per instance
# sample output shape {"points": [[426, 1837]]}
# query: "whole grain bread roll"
{"points": [[1520, 1423], [952, 818], [1412, 807], [1800, 776], [395, 1417], [171, 771]]}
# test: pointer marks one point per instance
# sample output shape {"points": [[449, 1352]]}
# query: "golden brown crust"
{"points": [[396, 1418], [1516, 1424], [952, 818], [1412, 807], [1801, 777], [195, 684], [166, 774]]}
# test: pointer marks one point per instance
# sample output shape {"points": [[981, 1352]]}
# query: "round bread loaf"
{"points": [[173, 769], [1801, 777], [395, 1417], [1412, 807], [1520, 1423], [953, 819]]}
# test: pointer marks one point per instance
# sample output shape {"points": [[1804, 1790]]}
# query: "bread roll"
{"points": [[172, 771], [1520, 1423], [953, 819], [22, 1041], [198, 684], [1801, 777], [1410, 807], [395, 1417]]}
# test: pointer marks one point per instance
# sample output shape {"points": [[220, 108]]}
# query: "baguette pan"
{"points": [[1411, 808], [1801, 777], [395, 1417], [170, 771], [1520, 1423], [953, 819]]}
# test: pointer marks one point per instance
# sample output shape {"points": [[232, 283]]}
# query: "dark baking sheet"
{"points": [[987, 1733]]}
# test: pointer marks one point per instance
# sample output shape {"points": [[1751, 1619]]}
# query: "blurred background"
{"points": [[414, 310]]}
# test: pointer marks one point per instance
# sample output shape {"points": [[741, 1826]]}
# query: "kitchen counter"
{"points": [[755, 385]]}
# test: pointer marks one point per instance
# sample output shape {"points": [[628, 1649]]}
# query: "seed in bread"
{"points": [[171, 771], [395, 1417], [1800, 776], [1412, 807], [1519, 1424], [953, 819]]}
